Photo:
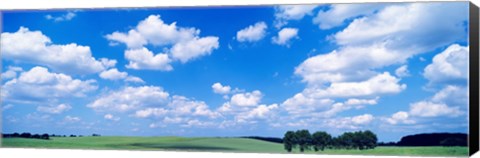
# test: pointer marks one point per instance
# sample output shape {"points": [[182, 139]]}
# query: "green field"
{"points": [[212, 144]]}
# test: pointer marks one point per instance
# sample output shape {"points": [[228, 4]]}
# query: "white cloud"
{"points": [[400, 117], [285, 35], [430, 109], [220, 89], [11, 72], [64, 17], [182, 106], [452, 95], [337, 14], [380, 84], [402, 71], [194, 48], [252, 33], [134, 79], [40, 84], [111, 117], [416, 27], [71, 119], [247, 99], [130, 98], [6, 107], [186, 44], [108, 63], [113, 74], [145, 59], [54, 109], [284, 13], [449, 65], [148, 112], [259, 112], [362, 119], [36, 48]]}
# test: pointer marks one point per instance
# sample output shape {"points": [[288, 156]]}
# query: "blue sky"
{"points": [[393, 68]]}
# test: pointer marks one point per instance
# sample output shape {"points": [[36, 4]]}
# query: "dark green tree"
{"points": [[304, 139], [289, 141], [371, 139], [320, 140]]}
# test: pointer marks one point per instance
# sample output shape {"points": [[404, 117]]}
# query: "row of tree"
{"points": [[320, 140], [38, 136]]}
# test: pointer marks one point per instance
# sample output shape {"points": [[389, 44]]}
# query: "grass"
{"points": [[213, 144]]}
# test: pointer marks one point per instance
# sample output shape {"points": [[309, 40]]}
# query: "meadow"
{"points": [[239, 145]]}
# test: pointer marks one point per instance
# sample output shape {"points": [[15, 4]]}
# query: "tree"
{"points": [[45, 136], [15, 135], [371, 139], [289, 141], [304, 139], [320, 140], [25, 135]]}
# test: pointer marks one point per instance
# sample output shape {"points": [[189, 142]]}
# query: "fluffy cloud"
{"points": [[186, 44], [449, 65], [354, 122], [130, 98], [64, 17], [380, 84], [182, 106], [337, 14], [36, 48], [149, 112], [71, 119], [247, 99], [145, 59], [402, 71], [11, 72], [54, 109], [284, 13], [111, 117], [430, 109], [415, 27], [259, 112], [252, 33], [400, 117], [194, 48], [114, 74], [39, 84], [285, 35], [220, 89], [362, 119]]}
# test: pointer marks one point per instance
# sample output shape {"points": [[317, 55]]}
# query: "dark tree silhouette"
{"points": [[289, 141], [320, 140], [304, 139]]}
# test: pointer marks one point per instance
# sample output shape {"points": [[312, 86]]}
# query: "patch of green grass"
{"points": [[213, 144]]}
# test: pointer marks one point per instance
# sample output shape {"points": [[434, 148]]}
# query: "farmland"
{"points": [[212, 144]]}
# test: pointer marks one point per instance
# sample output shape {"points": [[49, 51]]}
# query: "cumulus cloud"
{"points": [[402, 71], [220, 89], [400, 117], [246, 99], [145, 59], [36, 48], [130, 98], [337, 14], [54, 109], [430, 109], [259, 112], [114, 74], [11, 72], [64, 17], [148, 112], [111, 117], [449, 65], [252, 33], [285, 13], [285, 35], [39, 84], [71, 119], [184, 42]]}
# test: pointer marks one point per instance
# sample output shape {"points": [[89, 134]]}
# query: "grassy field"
{"points": [[212, 144]]}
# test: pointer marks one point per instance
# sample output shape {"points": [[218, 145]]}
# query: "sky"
{"points": [[392, 68]]}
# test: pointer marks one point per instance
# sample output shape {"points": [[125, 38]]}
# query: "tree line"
{"points": [[321, 140], [44, 136]]}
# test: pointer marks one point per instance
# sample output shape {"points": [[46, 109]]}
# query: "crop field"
{"points": [[212, 144]]}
